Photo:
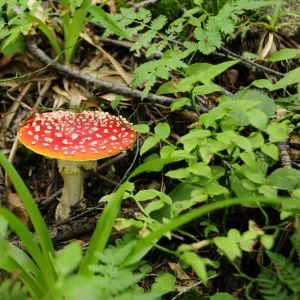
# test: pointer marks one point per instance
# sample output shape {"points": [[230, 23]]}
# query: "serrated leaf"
{"points": [[159, 22]]}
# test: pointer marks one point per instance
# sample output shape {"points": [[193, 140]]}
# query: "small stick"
{"points": [[284, 155], [145, 3], [115, 88]]}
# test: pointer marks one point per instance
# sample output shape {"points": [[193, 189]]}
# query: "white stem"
{"points": [[72, 173], [72, 193]]}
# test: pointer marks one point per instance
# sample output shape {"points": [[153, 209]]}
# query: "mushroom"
{"points": [[77, 140]]}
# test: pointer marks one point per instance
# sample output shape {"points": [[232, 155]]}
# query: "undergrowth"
{"points": [[228, 157]]}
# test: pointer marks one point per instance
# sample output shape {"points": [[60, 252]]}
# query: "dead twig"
{"points": [[284, 155], [115, 88], [249, 62], [145, 3]]}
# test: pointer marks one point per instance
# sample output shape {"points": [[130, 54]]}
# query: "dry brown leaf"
{"points": [[127, 78], [111, 5], [16, 206], [112, 96], [186, 281]]}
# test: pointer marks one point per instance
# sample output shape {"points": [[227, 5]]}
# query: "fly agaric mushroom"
{"points": [[77, 140]]}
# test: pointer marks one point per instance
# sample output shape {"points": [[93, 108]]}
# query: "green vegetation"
{"points": [[225, 198]]}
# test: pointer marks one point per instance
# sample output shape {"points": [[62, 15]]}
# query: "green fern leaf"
{"points": [[289, 273], [270, 287]]}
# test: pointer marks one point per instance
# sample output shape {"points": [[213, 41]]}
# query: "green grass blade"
{"points": [[72, 33], [107, 21], [141, 245], [29, 243], [9, 264], [47, 31], [102, 231], [33, 212]]}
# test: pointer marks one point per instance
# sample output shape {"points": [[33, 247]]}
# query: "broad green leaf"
{"points": [[253, 174], [250, 55], [167, 88], [149, 143], [142, 128], [197, 263], [65, 265], [150, 165], [222, 296], [267, 241], [270, 150], [163, 284], [196, 134], [267, 191], [257, 118], [238, 188], [179, 173], [256, 139], [200, 169], [234, 235], [216, 70], [153, 206], [228, 247], [278, 132], [166, 151], [197, 69], [249, 159], [283, 55], [206, 89], [178, 103], [291, 78], [284, 178], [243, 143], [266, 104], [162, 130], [215, 189]]}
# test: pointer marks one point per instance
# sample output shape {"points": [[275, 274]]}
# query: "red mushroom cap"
{"points": [[66, 135]]}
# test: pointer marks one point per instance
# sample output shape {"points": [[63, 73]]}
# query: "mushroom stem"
{"points": [[73, 175]]}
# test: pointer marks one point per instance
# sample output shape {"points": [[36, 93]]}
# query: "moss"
{"points": [[172, 9]]}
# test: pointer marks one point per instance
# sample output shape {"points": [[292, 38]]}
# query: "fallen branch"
{"points": [[145, 3], [249, 62], [111, 87]]}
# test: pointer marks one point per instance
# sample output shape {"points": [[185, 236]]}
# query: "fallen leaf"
{"points": [[16, 206], [127, 78]]}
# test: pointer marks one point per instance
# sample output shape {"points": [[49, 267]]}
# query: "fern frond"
{"points": [[270, 287], [289, 273]]}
